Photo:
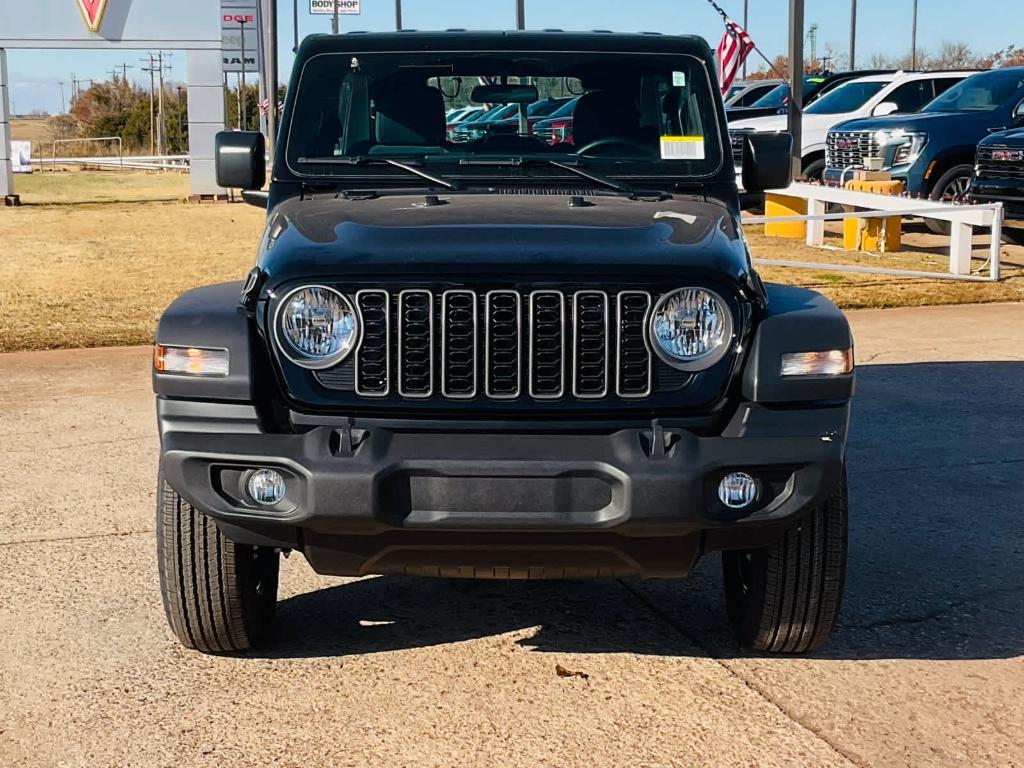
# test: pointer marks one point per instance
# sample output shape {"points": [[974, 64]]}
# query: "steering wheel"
{"points": [[609, 141]]}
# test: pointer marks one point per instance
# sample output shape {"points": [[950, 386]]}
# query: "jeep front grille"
{"points": [[503, 345], [847, 149]]}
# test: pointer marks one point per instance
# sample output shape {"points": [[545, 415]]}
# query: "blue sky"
{"points": [[883, 26]]}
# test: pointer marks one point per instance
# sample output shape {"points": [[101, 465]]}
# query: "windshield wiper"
{"points": [[576, 167], [361, 160]]}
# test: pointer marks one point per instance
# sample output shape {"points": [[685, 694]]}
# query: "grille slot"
{"points": [[633, 374], [373, 358], [503, 344], [845, 149], [415, 343], [590, 344], [547, 345], [458, 344]]}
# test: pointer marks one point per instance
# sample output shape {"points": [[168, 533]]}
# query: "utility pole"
{"points": [[334, 20], [295, 24], [913, 39], [271, 68], [161, 125], [63, 103], [520, 14], [152, 104], [398, 15], [181, 118], [796, 81], [745, 29], [853, 34]]}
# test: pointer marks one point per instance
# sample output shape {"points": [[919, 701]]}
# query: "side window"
{"points": [[911, 96], [943, 84]]}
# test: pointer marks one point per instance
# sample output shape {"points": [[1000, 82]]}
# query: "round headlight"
{"points": [[316, 326], [691, 328]]}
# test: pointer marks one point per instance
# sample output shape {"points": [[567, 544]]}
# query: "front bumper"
{"points": [[365, 497], [1009, 192]]}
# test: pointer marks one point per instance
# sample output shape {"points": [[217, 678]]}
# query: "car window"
{"points": [[752, 95], [983, 92], [776, 97], [848, 97], [651, 115], [911, 96]]}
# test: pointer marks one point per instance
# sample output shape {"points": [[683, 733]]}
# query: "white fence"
{"points": [[962, 219]]}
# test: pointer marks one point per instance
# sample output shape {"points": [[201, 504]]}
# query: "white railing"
{"points": [[962, 219]]}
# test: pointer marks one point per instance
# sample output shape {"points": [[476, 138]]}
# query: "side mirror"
{"points": [[767, 161], [241, 159], [1018, 114], [885, 108]]}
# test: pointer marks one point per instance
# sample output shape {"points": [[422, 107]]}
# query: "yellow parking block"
{"points": [[784, 205], [881, 235]]}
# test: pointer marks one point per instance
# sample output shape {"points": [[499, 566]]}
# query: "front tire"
{"points": [[954, 185], [785, 598], [219, 597]]}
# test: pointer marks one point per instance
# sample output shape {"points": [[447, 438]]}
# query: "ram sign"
{"points": [[326, 7]]}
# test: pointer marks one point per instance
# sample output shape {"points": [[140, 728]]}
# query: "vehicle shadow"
{"points": [[936, 466]]}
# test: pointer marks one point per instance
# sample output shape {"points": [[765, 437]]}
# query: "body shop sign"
{"points": [[345, 7]]}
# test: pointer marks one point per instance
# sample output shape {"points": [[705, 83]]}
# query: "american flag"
{"points": [[736, 45], [265, 107]]}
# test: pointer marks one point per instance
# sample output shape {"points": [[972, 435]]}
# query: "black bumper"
{"points": [[365, 498]]}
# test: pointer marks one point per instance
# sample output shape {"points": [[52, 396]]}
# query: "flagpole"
{"points": [[725, 17]]}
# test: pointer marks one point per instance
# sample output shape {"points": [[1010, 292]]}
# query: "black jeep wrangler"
{"points": [[502, 359]]}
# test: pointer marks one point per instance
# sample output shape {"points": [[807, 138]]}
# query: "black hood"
{"points": [[462, 235]]}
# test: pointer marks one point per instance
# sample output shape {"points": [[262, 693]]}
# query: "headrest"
{"points": [[412, 115], [605, 113]]}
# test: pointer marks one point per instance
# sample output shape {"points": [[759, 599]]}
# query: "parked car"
{"points": [[582, 376], [557, 127], [899, 92], [745, 92], [999, 176], [536, 112], [474, 128], [774, 101], [933, 151], [460, 114]]}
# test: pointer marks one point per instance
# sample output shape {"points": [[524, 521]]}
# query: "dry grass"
{"points": [[36, 130], [100, 273]]}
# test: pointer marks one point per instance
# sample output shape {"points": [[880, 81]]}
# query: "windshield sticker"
{"points": [[682, 147], [679, 79]]}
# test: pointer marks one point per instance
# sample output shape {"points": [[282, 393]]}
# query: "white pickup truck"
{"points": [[873, 95]]}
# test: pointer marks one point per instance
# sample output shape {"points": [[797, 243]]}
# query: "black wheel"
{"points": [[815, 170], [785, 598], [218, 596], [952, 186]]}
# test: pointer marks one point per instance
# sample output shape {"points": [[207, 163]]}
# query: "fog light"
{"points": [[266, 487], [737, 490]]}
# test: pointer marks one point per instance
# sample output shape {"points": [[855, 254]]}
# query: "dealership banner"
{"points": [[326, 7], [236, 16]]}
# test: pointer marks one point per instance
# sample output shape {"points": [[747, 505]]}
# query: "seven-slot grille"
{"points": [[846, 149], [504, 344], [993, 163]]}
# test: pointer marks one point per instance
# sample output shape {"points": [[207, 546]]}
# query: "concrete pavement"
{"points": [[927, 668]]}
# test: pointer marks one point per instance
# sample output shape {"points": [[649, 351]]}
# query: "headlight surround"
{"points": [[691, 328], [907, 144], [316, 326]]}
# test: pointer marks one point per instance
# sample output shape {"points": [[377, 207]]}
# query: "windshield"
{"points": [[848, 97], [776, 97], [634, 114], [979, 93]]}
